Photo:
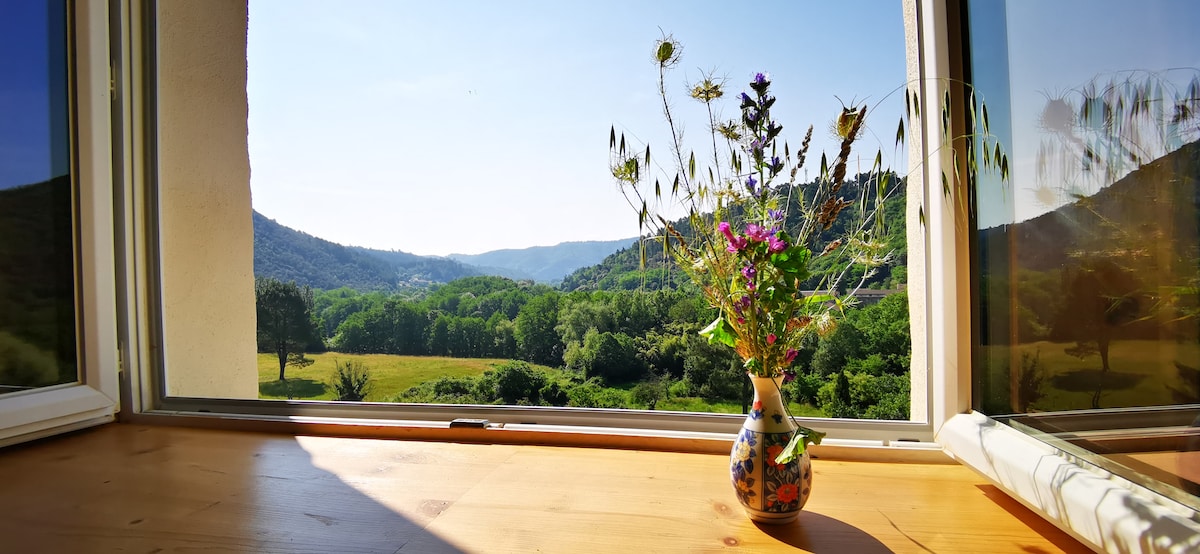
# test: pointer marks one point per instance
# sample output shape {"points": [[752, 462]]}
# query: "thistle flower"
{"points": [[707, 90]]}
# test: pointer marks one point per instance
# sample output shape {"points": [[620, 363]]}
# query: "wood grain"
{"points": [[133, 488]]}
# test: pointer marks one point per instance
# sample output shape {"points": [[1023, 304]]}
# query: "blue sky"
{"points": [[464, 127]]}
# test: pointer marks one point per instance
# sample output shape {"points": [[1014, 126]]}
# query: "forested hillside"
{"points": [[289, 255], [37, 284]]}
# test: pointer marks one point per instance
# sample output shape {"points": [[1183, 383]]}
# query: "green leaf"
{"points": [[692, 167], [720, 331], [818, 299], [985, 120], [796, 447], [647, 155], [793, 261], [900, 133]]}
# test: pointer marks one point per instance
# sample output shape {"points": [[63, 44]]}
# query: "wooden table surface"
{"points": [[134, 488]]}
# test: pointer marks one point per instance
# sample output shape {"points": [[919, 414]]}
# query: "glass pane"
{"points": [[1088, 261], [37, 287], [461, 150]]}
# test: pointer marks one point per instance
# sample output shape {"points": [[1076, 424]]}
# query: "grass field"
{"points": [[389, 374], [392, 374], [1142, 373]]}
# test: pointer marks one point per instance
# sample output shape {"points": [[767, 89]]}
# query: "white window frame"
{"points": [[93, 399], [150, 398]]}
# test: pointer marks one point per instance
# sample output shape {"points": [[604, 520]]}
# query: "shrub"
{"points": [[351, 381]]}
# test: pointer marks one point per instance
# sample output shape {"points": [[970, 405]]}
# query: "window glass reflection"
{"points": [[1087, 259], [37, 288]]}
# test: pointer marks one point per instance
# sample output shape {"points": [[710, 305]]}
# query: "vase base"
{"points": [[771, 518]]}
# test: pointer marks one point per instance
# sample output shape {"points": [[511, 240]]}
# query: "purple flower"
{"points": [[750, 184], [757, 233], [749, 272], [776, 245], [775, 215], [790, 355], [760, 79], [744, 302], [788, 376]]}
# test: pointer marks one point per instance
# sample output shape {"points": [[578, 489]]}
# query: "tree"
{"points": [[285, 321], [537, 341]]}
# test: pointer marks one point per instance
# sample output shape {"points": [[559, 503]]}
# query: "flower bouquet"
{"points": [[749, 240]]}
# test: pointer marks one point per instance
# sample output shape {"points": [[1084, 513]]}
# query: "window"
{"points": [[190, 267], [1087, 259], [186, 232], [57, 317]]}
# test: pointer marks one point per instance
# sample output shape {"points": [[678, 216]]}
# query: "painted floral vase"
{"points": [[770, 492]]}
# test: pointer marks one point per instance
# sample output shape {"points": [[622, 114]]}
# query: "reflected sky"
{"points": [[1056, 51], [33, 132]]}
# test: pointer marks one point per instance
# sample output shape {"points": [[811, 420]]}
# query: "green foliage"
{"points": [[611, 357], [351, 381], [23, 364], [37, 283], [536, 338], [648, 393], [517, 383]]}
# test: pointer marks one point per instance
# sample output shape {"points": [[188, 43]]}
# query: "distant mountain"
{"points": [[545, 264], [290, 255]]}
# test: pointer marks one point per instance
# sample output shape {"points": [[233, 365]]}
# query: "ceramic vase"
{"points": [[770, 492]]}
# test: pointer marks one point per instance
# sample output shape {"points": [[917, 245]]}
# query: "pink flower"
{"points": [[736, 243], [776, 245], [771, 338], [757, 233], [789, 355]]}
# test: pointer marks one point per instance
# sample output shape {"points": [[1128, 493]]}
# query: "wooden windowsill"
{"points": [[145, 488]]}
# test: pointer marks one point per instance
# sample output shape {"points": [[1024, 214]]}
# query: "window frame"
{"points": [[150, 397], [93, 399]]}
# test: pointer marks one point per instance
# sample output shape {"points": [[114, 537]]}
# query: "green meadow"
{"points": [[1142, 373], [389, 374]]}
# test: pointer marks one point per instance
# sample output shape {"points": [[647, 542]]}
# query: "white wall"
{"points": [[207, 239]]}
